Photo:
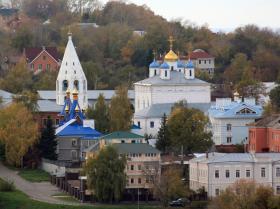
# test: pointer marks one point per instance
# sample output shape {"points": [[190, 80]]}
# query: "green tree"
{"points": [[163, 143], [18, 78], [47, 143], [275, 98], [106, 176], [99, 112], [45, 80], [120, 113], [187, 128], [170, 186], [22, 39], [18, 131]]}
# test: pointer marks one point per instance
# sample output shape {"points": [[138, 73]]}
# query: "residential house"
{"points": [[229, 120], [42, 59], [264, 135], [216, 171], [203, 61]]}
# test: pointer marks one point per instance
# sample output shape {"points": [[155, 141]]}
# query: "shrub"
{"points": [[7, 186]]}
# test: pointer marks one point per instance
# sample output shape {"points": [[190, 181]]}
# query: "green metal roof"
{"points": [[122, 135], [137, 148]]}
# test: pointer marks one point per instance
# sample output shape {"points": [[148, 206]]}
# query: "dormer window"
{"points": [[245, 111]]}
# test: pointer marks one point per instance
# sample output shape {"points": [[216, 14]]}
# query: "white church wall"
{"points": [[143, 97], [145, 125]]}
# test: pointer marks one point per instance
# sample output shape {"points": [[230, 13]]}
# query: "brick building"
{"points": [[42, 59], [264, 135]]}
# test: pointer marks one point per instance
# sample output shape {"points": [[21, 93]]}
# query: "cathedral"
{"points": [[170, 80]]}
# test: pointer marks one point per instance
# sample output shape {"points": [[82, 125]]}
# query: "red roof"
{"points": [[32, 52], [200, 54]]}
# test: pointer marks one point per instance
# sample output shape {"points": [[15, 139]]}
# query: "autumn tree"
{"points": [[120, 113], [244, 195], [187, 128], [163, 139], [18, 78], [106, 176], [18, 131], [29, 99], [275, 98], [99, 112], [170, 186]]}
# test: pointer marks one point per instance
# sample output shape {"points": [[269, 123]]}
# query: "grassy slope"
{"points": [[35, 175]]}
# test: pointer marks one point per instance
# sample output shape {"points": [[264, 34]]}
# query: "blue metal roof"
{"points": [[164, 66], [135, 127], [230, 111], [180, 64], [154, 64], [189, 64], [80, 131]]}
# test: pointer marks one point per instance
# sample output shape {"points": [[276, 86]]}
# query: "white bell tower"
{"points": [[71, 75]]}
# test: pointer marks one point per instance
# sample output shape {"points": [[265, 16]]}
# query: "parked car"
{"points": [[181, 202]]}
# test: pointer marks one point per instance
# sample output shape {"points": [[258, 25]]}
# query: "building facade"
{"points": [[169, 81], [203, 61], [42, 59], [229, 120], [216, 171], [264, 135]]}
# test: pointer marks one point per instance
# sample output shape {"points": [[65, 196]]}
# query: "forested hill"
{"points": [[112, 55]]}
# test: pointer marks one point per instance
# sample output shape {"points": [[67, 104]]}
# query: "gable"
{"points": [[245, 111]]}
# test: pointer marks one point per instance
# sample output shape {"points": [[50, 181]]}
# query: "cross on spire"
{"points": [[171, 40], [154, 53]]}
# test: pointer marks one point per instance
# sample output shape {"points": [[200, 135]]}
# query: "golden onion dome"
{"points": [[171, 56], [75, 91], [236, 94], [68, 91], [66, 108], [77, 109]]}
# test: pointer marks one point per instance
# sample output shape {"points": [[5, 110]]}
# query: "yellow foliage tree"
{"points": [[18, 131]]}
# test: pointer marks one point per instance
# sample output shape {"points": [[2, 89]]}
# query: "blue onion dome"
{"points": [[154, 64], [180, 64], [189, 64], [164, 66]]}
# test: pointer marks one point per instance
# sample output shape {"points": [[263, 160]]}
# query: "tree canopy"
{"points": [[106, 175]]}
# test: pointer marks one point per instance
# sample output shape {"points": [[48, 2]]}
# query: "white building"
{"points": [[169, 82], [203, 61], [229, 119], [71, 76], [218, 171]]}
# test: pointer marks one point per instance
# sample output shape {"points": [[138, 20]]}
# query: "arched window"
{"points": [[57, 85], [76, 84], [165, 72], [65, 85], [190, 73]]}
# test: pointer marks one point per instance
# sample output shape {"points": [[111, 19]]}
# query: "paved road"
{"points": [[42, 191]]}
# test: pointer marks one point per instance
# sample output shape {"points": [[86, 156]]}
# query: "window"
{"points": [[73, 63], [139, 180], [190, 73], [48, 66], [139, 167], [76, 84], [131, 167], [139, 124], [40, 66], [56, 121], [204, 61], [165, 73], [228, 127], [152, 124], [155, 72], [217, 174], [122, 141], [227, 173], [237, 174], [229, 139], [74, 154], [278, 172], [65, 85], [45, 120], [209, 61], [263, 172], [172, 68], [278, 190], [133, 141], [199, 61], [217, 192], [248, 173], [74, 143], [132, 180]]}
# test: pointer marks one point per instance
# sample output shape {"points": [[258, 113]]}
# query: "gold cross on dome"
{"points": [[171, 40]]}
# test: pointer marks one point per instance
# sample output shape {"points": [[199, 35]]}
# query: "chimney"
{"points": [[43, 47]]}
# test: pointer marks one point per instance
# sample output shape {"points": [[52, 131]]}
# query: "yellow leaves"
{"points": [[19, 132]]}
